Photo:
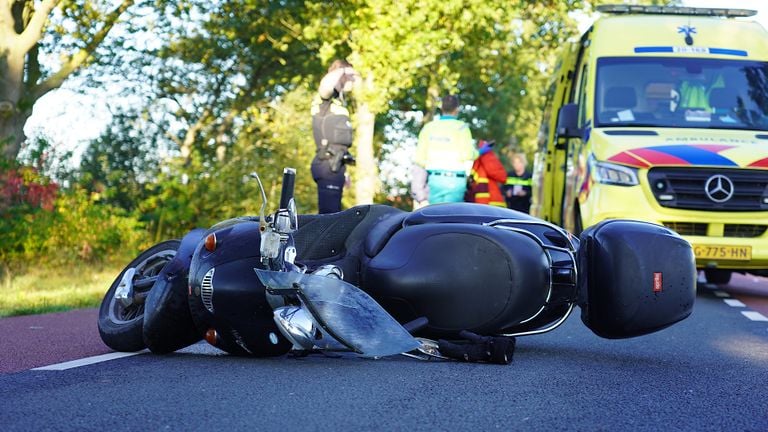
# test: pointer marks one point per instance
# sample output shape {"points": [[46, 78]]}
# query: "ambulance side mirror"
{"points": [[568, 121]]}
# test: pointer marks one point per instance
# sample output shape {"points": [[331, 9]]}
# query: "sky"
{"points": [[71, 119]]}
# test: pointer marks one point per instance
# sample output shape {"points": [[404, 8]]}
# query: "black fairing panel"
{"points": [[240, 239], [243, 317], [459, 276], [635, 278]]}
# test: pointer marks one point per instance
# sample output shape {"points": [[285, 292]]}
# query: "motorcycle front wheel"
{"points": [[121, 316]]}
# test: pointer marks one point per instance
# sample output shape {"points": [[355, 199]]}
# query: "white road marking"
{"points": [[734, 303], [88, 361], [721, 294], [754, 316]]}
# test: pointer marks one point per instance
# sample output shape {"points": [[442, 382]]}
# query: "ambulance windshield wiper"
{"points": [[631, 124], [736, 127]]}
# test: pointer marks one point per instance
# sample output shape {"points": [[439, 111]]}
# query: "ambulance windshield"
{"points": [[681, 92]]}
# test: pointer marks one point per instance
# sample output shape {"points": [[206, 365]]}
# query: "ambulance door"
{"points": [[575, 161], [552, 158], [542, 160]]}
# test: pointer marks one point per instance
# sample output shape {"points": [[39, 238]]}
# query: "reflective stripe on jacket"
{"points": [[512, 181]]}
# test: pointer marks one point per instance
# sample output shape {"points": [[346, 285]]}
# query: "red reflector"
{"points": [[212, 337], [210, 242], [657, 282]]}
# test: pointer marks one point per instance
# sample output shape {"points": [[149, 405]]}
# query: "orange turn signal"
{"points": [[212, 337], [210, 242]]}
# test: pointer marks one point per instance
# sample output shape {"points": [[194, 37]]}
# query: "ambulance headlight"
{"points": [[613, 174]]}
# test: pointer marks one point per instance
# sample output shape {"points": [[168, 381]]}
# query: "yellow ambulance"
{"points": [[660, 114]]}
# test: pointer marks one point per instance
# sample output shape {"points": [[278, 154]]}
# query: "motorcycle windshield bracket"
{"points": [[343, 312], [262, 209]]}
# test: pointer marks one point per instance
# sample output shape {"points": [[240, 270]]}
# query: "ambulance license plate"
{"points": [[734, 253]]}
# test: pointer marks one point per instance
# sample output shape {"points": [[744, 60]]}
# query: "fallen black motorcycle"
{"points": [[457, 281]]}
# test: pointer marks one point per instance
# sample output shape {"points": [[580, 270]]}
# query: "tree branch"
{"points": [[173, 138], [34, 29], [77, 60], [6, 18]]}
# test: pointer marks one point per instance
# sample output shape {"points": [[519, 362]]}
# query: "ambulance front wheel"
{"points": [[717, 276]]}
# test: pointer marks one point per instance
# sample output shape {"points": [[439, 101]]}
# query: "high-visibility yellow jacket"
{"points": [[445, 144], [696, 95]]}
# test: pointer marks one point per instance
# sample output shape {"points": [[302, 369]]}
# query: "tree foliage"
{"points": [[206, 92], [495, 54], [120, 166]]}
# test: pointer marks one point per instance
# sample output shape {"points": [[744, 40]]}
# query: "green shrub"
{"points": [[44, 226], [82, 230]]}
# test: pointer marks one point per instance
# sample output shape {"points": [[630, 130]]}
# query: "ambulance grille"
{"points": [[687, 228], [729, 230], [744, 230], [685, 188], [206, 290]]}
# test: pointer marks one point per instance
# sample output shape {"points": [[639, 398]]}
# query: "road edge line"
{"points": [[88, 361]]}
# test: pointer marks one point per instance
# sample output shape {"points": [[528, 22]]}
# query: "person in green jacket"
{"points": [[446, 151]]}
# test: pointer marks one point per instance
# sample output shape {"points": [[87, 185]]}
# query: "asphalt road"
{"points": [[707, 373]]}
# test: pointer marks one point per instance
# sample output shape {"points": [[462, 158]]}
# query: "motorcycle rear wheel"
{"points": [[120, 325]]}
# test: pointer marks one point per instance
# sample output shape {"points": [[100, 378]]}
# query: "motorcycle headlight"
{"points": [[613, 174]]}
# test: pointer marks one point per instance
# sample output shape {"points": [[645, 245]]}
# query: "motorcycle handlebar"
{"points": [[289, 181]]}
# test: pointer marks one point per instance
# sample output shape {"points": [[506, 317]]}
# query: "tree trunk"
{"points": [[13, 115], [22, 26], [12, 134], [367, 174], [431, 103]]}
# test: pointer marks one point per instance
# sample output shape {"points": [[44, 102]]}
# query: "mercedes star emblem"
{"points": [[719, 188]]}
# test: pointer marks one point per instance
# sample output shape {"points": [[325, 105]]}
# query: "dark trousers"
{"points": [[330, 186]]}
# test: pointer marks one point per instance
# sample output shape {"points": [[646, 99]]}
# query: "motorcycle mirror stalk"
{"points": [[276, 228]]}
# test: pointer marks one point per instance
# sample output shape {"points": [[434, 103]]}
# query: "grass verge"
{"points": [[46, 290]]}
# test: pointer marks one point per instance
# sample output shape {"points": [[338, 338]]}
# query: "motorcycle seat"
{"points": [[461, 213], [383, 231], [326, 236]]}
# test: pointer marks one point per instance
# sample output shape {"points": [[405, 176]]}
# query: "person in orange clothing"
{"points": [[487, 173]]}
